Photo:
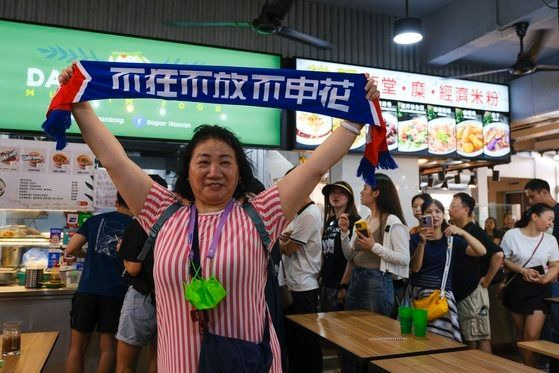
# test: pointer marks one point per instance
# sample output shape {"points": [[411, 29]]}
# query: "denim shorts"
{"points": [[138, 324], [370, 289]]}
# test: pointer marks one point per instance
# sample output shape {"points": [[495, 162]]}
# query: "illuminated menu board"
{"points": [[34, 55], [425, 116]]}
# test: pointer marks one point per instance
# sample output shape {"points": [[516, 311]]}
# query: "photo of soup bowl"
{"points": [[84, 161], [59, 159]]}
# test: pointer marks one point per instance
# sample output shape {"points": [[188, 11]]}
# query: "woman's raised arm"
{"points": [[299, 183], [130, 180]]}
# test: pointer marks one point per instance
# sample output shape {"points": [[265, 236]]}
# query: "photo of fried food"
{"points": [[84, 161], [34, 158], [59, 159], [469, 138]]}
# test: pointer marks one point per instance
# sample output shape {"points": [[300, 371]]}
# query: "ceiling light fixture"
{"points": [[444, 185], [556, 156], [473, 181], [457, 178], [407, 30]]}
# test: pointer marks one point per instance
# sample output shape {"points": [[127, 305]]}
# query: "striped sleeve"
{"points": [[268, 205], [157, 200]]}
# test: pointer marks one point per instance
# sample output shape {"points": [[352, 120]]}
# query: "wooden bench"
{"points": [[546, 348]]}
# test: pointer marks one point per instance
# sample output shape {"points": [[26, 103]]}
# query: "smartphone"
{"points": [[362, 227], [426, 222]]}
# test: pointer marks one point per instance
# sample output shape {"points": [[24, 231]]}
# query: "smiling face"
{"points": [[213, 174], [543, 222], [457, 211], [338, 198]]}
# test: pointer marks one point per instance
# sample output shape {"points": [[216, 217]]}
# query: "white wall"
{"points": [[530, 167]]}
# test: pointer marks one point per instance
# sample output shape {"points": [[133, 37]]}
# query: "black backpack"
{"points": [[272, 289]]}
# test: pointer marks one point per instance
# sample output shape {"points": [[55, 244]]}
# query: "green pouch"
{"points": [[204, 294]]}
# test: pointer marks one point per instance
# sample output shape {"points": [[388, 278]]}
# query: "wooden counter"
{"points": [[459, 361], [35, 350]]}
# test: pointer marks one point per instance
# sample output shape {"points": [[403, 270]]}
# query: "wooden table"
{"points": [[369, 336], [545, 348], [35, 350], [458, 361]]}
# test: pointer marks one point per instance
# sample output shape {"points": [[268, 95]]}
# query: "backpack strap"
{"points": [[258, 223], [150, 241]]}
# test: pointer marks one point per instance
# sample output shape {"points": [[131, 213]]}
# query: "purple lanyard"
{"points": [[217, 234]]}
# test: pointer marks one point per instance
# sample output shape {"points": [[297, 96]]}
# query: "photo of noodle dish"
{"points": [[312, 129], [496, 137], [442, 135], [469, 138], [412, 134], [359, 140], [59, 160], [391, 130]]}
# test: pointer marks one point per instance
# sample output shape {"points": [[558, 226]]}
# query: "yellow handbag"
{"points": [[436, 303]]}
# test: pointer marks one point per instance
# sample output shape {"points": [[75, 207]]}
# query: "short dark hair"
{"points": [[207, 132], [537, 185], [467, 201], [121, 200]]}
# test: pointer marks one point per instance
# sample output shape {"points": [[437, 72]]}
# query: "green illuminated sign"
{"points": [[34, 54]]}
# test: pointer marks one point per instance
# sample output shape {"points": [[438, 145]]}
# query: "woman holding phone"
{"points": [[528, 251], [416, 203], [378, 248], [428, 260]]}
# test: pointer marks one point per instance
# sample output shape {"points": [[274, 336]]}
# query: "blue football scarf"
{"points": [[338, 95]]}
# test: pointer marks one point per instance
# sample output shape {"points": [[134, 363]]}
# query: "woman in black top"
{"points": [[336, 271]]}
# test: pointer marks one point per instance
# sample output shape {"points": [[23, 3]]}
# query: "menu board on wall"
{"points": [[33, 175], [35, 54], [425, 115]]}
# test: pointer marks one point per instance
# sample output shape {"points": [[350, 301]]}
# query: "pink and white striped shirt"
{"points": [[239, 264]]}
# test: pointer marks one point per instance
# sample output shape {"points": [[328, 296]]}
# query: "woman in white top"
{"points": [[528, 251], [381, 255]]}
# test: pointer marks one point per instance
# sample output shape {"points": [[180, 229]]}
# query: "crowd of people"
{"points": [[220, 238]]}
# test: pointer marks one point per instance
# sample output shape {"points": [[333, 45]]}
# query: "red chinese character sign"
{"points": [[425, 115]]}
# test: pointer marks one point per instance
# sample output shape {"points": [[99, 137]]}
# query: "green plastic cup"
{"points": [[406, 319], [419, 322]]}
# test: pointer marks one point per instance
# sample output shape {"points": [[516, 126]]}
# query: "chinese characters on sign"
{"points": [[425, 115]]}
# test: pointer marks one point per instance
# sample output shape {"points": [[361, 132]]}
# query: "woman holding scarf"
{"points": [[215, 170]]}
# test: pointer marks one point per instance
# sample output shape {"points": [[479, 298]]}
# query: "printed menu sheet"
{"points": [[33, 175]]}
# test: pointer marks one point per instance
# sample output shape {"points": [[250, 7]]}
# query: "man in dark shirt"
{"points": [[538, 191], [472, 276]]}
